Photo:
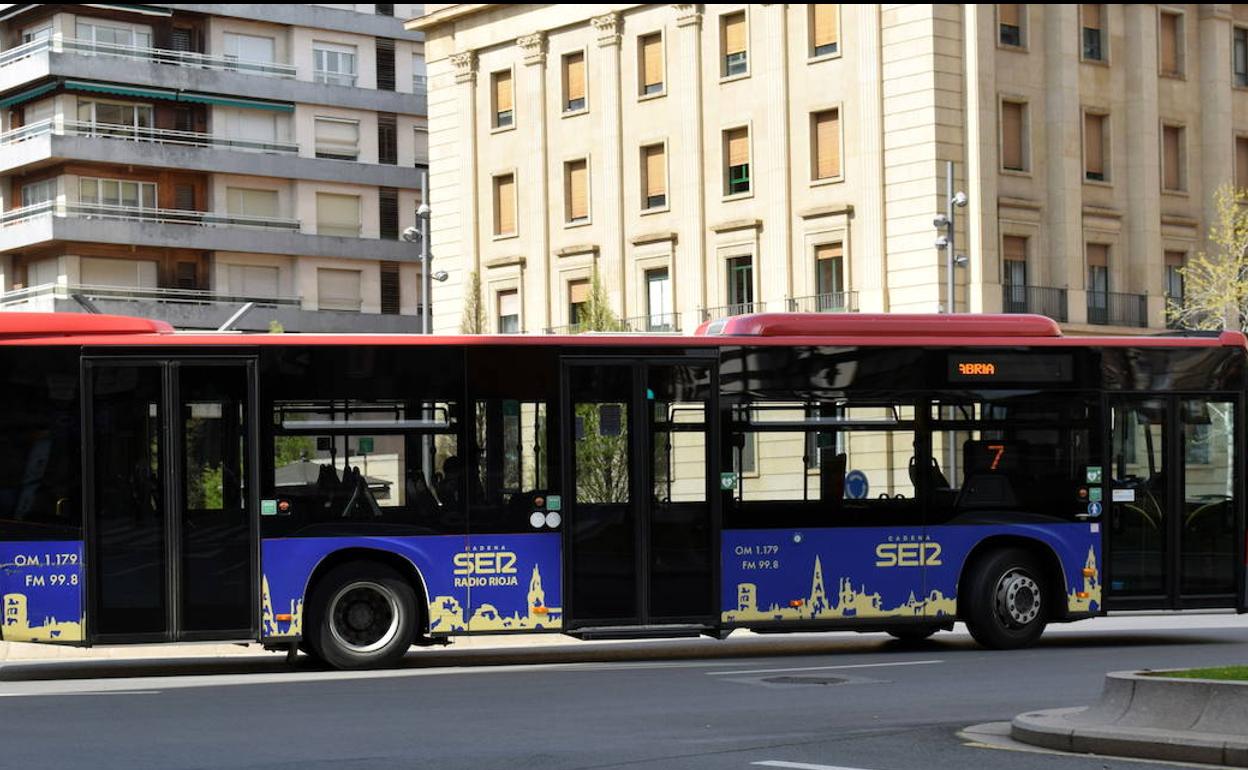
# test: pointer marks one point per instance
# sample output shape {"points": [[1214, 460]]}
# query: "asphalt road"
{"points": [[807, 701]]}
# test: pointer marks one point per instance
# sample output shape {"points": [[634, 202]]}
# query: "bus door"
{"points": [[171, 513], [641, 537], [1174, 526]]}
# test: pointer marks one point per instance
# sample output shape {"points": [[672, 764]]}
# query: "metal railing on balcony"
{"points": [[655, 323], [1043, 300], [1110, 308], [738, 308], [829, 302], [57, 43], [142, 134], [176, 296], [136, 214]]}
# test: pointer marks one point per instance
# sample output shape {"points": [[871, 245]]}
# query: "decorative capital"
{"points": [[608, 28], [534, 47], [687, 14], [465, 64]]}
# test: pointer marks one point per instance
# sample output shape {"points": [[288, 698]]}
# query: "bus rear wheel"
{"points": [[1006, 600], [363, 615]]}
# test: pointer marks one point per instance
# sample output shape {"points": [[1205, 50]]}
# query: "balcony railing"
{"points": [[654, 323], [1109, 308], [136, 214], [1044, 300], [142, 134], [190, 59], [830, 302], [168, 296], [723, 311]]}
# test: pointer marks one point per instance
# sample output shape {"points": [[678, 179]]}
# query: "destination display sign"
{"points": [[1012, 368]]}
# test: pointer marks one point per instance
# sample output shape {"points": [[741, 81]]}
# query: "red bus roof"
{"points": [[764, 329]]}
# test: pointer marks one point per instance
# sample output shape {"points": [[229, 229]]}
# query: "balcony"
{"points": [[136, 214], [1042, 300], [154, 55], [200, 310], [658, 323], [141, 134], [830, 302], [1109, 308], [738, 308]]}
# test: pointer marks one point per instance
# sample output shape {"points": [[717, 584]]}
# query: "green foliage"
{"points": [[596, 314], [1231, 673], [275, 327], [473, 321], [601, 460], [292, 449], [1215, 282]]}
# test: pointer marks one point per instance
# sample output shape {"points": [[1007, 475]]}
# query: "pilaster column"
{"points": [[1058, 261], [1139, 268], [465, 64], [983, 289], [774, 266], [688, 183], [1217, 134], [611, 182], [868, 253], [537, 170]]}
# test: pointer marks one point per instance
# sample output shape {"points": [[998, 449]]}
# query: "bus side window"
{"points": [[511, 451]]}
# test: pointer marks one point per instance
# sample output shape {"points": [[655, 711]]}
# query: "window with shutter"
{"points": [[1009, 24], [737, 161], [830, 276], [184, 197], [333, 63], [127, 273], [337, 139], [1239, 57], [1014, 264], [387, 138], [385, 64], [1170, 38], [659, 300], [578, 297], [1241, 161], [1013, 136], [182, 39], [654, 176], [505, 205], [733, 34], [338, 289], [388, 213], [650, 48], [1094, 147], [338, 215], [507, 308], [1172, 158], [827, 142], [503, 114], [391, 294], [187, 275], [1093, 31], [1174, 275], [240, 201], [253, 280], [574, 81], [824, 28], [576, 184]]}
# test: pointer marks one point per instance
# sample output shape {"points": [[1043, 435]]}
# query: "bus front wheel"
{"points": [[1006, 593], [363, 615]]}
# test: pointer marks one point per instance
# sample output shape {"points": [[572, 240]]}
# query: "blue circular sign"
{"points": [[856, 485], [1094, 509]]}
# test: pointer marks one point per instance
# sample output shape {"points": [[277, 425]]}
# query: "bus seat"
{"points": [[987, 484]]}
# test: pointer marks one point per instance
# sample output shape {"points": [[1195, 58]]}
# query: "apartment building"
{"points": [[183, 161], [710, 159]]}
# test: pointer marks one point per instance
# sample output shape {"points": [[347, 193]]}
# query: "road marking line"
{"points": [[800, 765], [823, 668]]}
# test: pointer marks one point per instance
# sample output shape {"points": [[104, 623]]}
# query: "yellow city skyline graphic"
{"points": [[268, 619], [446, 614], [17, 627], [1091, 587], [850, 602]]}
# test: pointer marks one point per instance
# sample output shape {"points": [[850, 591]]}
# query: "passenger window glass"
{"points": [[512, 462]]}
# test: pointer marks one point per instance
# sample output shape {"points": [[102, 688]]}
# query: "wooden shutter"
{"points": [[1175, 258], [1092, 15], [578, 190], [656, 170], [827, 144], [1171, 171], [184, 197], [391, 289], [508, 306], [337, 289], [1094, 143], [824, 23], [829, 251], [1241, 161], [1169, 44], [1098, 255], [651, 61], [504, 205], [574, 76], [385, 64], [337, 214], [737, 141], [388, 213], [734, 33], [1014, 248], [1012, 136], [1008, 14], [387, 138], [502, 91], [578, 292], [337, 138]]}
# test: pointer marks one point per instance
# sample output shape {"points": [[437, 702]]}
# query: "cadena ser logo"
{"points": [[474, 569], [920, 554]]}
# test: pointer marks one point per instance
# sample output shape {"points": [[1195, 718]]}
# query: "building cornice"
{"points": [[580, 248], [644, 238], [836, 209], [737, 224], [515, 260], [451, 13]]}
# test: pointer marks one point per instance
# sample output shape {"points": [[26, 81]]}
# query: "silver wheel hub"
{"points": [[1018, 599], [364, 616]]}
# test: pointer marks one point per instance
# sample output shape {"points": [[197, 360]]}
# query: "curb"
{"points": [[1151, 717]]}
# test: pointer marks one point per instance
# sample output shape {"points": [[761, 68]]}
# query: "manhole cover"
{"points": [[825, 680]]}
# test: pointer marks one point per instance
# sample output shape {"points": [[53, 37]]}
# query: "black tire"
{"points": [[361, 615], [1006, 600], [914, 633]]}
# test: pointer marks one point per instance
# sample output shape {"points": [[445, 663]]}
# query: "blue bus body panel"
{"points": [[41, 583], [482, 583], [869, 572]]}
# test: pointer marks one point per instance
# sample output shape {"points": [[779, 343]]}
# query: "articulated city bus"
{"points": [[353, 495]]}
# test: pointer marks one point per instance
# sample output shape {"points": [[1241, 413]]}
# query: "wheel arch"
{"points": [[1050, 563], [400, 563]]}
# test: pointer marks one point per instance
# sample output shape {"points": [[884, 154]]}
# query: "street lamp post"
{"points": [[947, 241], [427, 276]]}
